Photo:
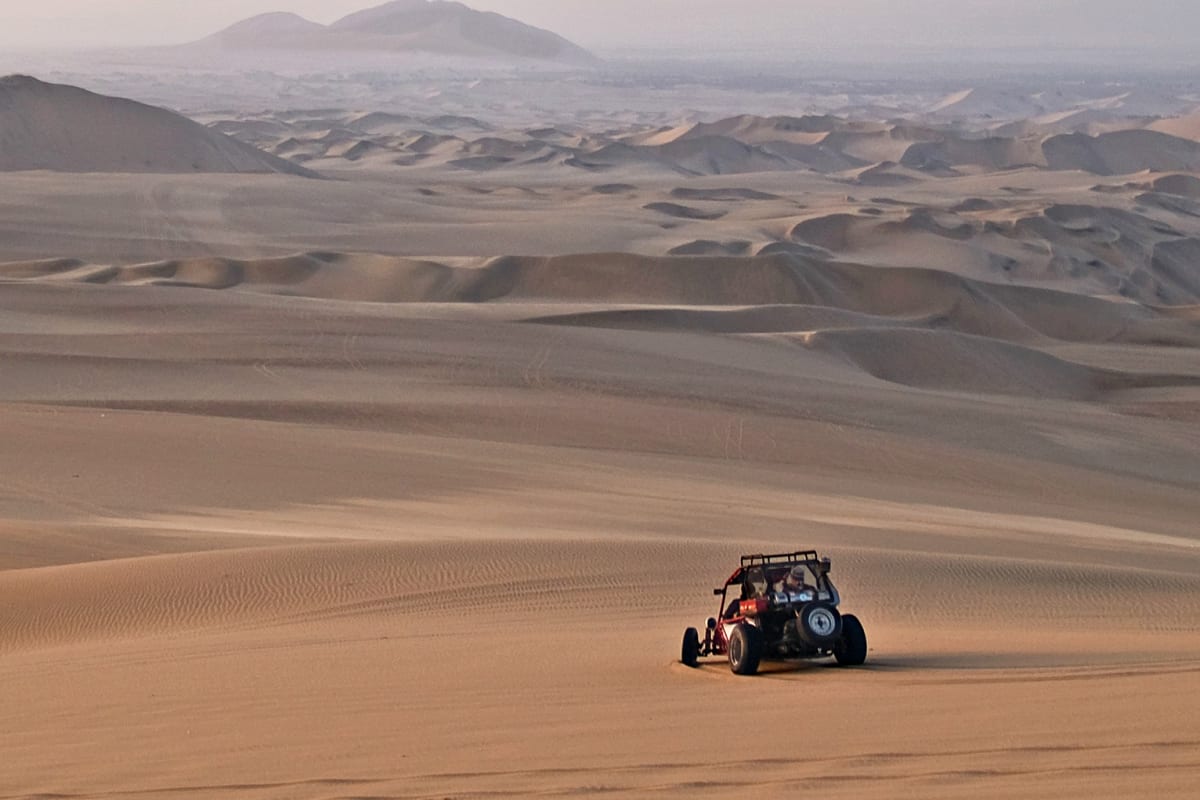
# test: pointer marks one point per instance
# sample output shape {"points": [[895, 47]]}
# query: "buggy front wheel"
{"points": [[691, 648]]}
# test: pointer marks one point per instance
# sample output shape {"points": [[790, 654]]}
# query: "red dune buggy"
{"points": [[785, 607]]}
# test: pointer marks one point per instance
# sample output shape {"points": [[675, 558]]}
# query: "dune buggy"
{"points": [[785, 607]]}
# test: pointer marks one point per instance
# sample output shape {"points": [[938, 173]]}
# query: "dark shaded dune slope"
{"points": [[46, 126], [907, 296], [1121, 152], [950, 361]]}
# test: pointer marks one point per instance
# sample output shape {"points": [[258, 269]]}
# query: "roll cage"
{"points": [[757, 573]]}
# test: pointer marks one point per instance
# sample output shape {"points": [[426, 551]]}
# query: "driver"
{"points": [[793, 582]]}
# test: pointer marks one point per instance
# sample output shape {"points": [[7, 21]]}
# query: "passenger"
{"points": [[754, 586]]}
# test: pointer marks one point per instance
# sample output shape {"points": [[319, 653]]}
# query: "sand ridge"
{"points": [[1107, 214]]}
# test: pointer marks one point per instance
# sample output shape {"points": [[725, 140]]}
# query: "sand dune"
{"points": [[927, 298], [885, 173], [977, 102], [258, 131], [325, 275], [1122, 153], [938, 359], [709, 156], [991, 153], [751, 320], [709, 247], [1176, 262], [830, 232], [294, 584], [762, 130], [53, 127], [1174, 203], [868, 153], [614, 188], [717, 156], [814, 157], [1098, 249], [720, 195], [1186, 127], [1061, 234], [684, 212], [1183, 185], [983, 104], [885, 145], [291, 583], [1090, 121], [1143, 102], [981, 321]]}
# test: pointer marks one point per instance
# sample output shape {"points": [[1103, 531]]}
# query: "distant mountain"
{"points": [[279, 29], [430, 26], [47, 126]]}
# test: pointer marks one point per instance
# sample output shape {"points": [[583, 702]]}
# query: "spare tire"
{"points": [[745, 649], [819, 624]]}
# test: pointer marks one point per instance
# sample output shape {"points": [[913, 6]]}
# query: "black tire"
{"points": [[745, 649], [819, 624], [691, 648], [851, 649]]}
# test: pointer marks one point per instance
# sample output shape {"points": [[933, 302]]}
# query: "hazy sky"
{"points": [[602, 24]]}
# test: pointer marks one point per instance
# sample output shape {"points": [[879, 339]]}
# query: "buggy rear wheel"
{"points": [[691, 648], [851, 648], [745, 649]]}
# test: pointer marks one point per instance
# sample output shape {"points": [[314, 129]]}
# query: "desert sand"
{"points": [[405, 481]]}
